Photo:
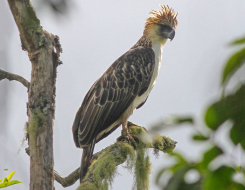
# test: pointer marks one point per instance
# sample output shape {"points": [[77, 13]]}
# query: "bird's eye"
{"points": [[165, 27]]}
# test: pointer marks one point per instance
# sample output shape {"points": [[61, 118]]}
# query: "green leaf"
{"points": [[13, 182], [219, 179], [192, 186], [178, 166], [6, 181], [10, 175], [231, 107], [210, 155], [237, 133], [179, 120], [243, 144], [237, 186], [239, 41], [9, 183], [199, 137], [2, 185], [215, 115], [233, 64]]}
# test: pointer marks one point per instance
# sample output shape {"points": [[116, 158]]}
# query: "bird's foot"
{"points": [[129, 137]]}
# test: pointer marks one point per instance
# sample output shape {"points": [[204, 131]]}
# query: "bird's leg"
{"points": [[127, 135]]}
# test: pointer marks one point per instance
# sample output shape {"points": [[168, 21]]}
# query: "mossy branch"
{"points": [[103, 167], [28, 24], [11, 76]]}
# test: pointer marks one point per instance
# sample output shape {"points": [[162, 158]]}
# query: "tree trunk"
{"points": [[43, 51]]}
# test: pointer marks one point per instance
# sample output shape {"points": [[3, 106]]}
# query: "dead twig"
{"points": [[11, 76]]}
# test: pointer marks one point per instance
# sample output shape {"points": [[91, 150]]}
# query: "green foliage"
{"points": [[235, 62], [228, 108], [217, 179], [209, 156], [199, 137], [220, 178], [239, 41], [180, 120], [178, 172], [6, 181], [231, 107]]}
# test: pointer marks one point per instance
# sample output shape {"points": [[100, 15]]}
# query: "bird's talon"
{"points": [[129, 137], [136, 138]]}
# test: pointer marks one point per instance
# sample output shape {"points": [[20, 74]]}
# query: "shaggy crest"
{"points": [[164, 16]]}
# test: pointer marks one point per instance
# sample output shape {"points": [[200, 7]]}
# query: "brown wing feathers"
{"points": [[129, 76]]}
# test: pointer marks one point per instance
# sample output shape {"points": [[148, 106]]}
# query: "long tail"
{"points": [[86, 160]]}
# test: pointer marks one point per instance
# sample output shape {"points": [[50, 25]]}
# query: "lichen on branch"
{"points": [[104, 168]]}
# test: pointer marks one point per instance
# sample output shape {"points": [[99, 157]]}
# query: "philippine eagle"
{"points": [[124, 86]]}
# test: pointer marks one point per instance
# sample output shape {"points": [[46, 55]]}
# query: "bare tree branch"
{"points": [[11, 76], [161, 143], [69, 180]]}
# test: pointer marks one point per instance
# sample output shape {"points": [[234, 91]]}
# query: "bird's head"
{"points": [[161, 24]]}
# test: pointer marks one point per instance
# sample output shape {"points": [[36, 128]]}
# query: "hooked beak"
{"points": [[169, 34]]}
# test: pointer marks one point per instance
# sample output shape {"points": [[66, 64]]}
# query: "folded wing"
{"points": [[109, 97]]}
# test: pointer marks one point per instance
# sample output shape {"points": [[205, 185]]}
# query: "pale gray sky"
{"points": [[94, 35]]}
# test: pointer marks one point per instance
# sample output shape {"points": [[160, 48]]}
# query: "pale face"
{"points": [[161, 32]]}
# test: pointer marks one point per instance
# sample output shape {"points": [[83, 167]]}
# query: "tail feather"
{"points": [[86, 160]]}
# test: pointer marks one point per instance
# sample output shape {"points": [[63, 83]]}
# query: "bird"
{"points": [[123, 87]]}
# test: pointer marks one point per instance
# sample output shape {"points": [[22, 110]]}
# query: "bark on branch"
{"points": [[11, 76], [117, 150]]}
